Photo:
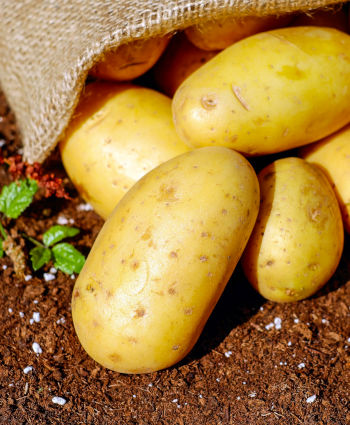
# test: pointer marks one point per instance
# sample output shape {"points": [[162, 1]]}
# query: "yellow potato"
{"points": [[324, 17], [118, 133], [180, 60], [270, 92], [219, 34], [333, 156], [130, 60], [298, 238], [163, 258]]}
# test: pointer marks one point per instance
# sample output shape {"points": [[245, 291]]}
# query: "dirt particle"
{"points": [[147, 235], [95, 323], [76, 293], [173, 254], [203, 258], [312, 266], [90, 288], [188, 311], [289, 292], [132, 339], [270, 262], [175, 347], [205, 234]]}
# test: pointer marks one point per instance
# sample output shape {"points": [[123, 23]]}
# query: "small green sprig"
{"points": [[64, 255], [14, 199]]}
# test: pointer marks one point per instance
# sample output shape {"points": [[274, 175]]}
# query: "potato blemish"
{"points": [[173, 254], [115, 357], [167, 194], [140, 312], [203, 258]]}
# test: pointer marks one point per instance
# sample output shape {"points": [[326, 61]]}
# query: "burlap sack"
{"points": [[48, 46]]}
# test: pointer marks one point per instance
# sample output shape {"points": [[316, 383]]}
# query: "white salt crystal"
{"points": [[84, 207], [296, 320], [301, 365], [311, 399], [4, 267], [36, 317], [59, 400], [175, 400], [27, 369], [28, 277], [53, 270], [228, 354], [36, 348], [269, 326], [10, 310], [21, 314], [62, 220], [49, 276], [253, 394], [289, 343], [278, 323]]}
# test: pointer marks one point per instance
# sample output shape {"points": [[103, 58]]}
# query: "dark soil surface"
{"points": [[256, 362]]}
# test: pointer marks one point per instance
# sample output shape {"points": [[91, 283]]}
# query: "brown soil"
{"points": [[245, 369]]}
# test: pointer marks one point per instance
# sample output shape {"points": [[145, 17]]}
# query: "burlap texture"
{"points": [[48, 46]]}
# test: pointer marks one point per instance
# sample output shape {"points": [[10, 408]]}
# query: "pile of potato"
{"points": [[175, 182]]}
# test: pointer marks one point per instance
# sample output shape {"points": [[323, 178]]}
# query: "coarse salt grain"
{"points": [[217, 379], [200, 396], [296, 320], [301, 365], [21, 314], [238, 398], [36, 348], [49, 276], [53, 270], [253, 394], [27, 369], [4, 267], [228, 354], [175, 400], [59, 400], [289, 343], [311, 399], [277, 322], [150, 384], [36, 317], [84, 207], [134, 396], [2, 141], [35, 301], [28, 277], [62, 220], [72, 276], [10, 310], [61, 320], [269, 326]]}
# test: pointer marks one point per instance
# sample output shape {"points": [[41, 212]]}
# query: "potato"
{"points": [[298, 238], [219, 34], [130, 60], [163, 258], [270, 92], [119, 132], [180, 60], [324, 17], [333, 156]]}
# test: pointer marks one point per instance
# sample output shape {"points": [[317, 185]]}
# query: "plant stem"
{"points": [[34, 241], [2, 231]]}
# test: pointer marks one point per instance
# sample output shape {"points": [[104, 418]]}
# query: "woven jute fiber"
{"points": [[48, 46]]}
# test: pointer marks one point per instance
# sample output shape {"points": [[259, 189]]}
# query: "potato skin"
{"points": [[163, 258], [130, 60], [298, 238], [180, 60], [270, 92], [118, 133], [219, 34], [332, 154]]}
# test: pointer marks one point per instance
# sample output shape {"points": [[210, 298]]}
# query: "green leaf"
{"points": [[57, 233], [17, 196], [39, 256], [1, 249], [67, 258]]}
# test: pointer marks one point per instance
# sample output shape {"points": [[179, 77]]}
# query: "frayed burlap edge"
{"points": [[48, 47]]}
